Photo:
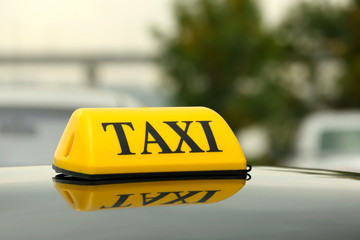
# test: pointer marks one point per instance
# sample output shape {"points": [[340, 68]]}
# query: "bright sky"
{"points": [[63, 26], [70, 26], [274, 10], [90, 27]]}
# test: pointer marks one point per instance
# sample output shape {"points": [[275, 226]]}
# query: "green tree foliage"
{"points": [[315, 33], [350, 81], [216, 47], [220, 56]]}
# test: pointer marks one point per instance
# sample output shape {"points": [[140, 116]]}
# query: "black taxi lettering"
{"points": [[160, 141]]}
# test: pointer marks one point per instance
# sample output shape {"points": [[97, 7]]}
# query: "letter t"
{"points": [[124, 145]]}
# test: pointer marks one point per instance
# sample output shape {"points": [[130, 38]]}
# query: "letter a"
{"points": [[157, 139]]}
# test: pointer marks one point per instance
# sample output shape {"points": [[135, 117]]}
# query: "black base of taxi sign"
{"points": [[109, 143], [240, 174]]}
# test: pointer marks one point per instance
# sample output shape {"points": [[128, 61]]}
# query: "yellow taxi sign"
{"points": [[82, 197], [112, 142]]}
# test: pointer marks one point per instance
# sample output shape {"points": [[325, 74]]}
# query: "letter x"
{"points": [[184, 137]]}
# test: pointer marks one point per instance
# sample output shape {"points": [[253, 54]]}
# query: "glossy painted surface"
{"points": [[277, 203]]}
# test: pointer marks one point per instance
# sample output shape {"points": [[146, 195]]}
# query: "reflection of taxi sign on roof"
{"points": [[84, 196], [118, 142]]}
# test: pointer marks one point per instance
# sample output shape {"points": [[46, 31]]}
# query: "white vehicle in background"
{"points": [[32, 119], [329, 140]]}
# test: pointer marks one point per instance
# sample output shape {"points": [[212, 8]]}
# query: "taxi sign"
{"points": [[83, 197], [102, 143]]}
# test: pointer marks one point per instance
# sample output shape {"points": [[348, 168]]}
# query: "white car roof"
{"points": [[315, 124]]}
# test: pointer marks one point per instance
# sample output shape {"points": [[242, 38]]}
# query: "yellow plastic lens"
{"points": [[106, 143]]}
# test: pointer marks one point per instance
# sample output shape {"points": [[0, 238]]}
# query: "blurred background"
{"points": [[284, 74]]}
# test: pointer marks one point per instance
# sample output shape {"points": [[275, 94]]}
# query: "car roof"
{"points": [[313, 126], [278, 203]]}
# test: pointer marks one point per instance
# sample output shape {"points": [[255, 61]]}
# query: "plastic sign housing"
{"points": [[82, 197], [103, 143]]}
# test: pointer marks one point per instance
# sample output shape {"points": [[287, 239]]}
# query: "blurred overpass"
{"points": [[89, 62]]}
